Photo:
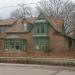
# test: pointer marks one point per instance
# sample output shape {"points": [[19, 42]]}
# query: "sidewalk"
{"points": [[29, 69]]}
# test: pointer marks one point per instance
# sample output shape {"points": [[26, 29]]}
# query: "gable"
{"points": [[40, 25], [7, 22], [56, 24], [41, 18], [20, 27]]}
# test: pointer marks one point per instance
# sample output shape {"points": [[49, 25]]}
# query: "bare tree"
{"points": [[16, 14], [60, 8], [69, 17], [22, 12], [56, 8]]}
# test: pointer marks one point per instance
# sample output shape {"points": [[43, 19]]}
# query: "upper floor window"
{"points": [[25, 27], [41, 28], [3, 28]]}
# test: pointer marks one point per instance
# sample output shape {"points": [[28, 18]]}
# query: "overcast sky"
{"points": [[14, 2], [4, 3]]}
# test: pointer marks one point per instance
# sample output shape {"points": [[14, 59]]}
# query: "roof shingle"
{"points": [[7, 22]]}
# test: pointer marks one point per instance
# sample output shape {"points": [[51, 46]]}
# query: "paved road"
{"points": [[21, 69]]}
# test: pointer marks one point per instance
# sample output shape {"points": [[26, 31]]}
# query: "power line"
{"points": [[18, 5]]}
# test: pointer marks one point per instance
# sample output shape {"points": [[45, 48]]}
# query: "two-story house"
{"points": [[34, 34]]}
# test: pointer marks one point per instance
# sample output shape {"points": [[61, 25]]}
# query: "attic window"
{"points": [[25, 27]]}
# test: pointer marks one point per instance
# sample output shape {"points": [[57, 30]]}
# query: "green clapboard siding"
{"points": [[40, 33], [41, 29], [40, 43]]}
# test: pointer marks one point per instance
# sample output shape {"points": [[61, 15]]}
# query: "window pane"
{"points": [[25, 27], [42, 29], [40, 43], [38, 29], [14, 44]]}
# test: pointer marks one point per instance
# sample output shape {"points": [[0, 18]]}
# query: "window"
{"points": [[14, 44], [3, 28], [25, 27], [69, 43], [72, 44], [41, 43], [40, 28]]}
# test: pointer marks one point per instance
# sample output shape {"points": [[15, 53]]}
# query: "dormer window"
{"points": [[25, 27]]}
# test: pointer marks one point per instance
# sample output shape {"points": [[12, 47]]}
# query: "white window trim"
{"points": [[25, 27], [40, 21]]}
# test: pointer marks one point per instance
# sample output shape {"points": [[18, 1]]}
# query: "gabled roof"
{"points": [[17, 27], [7, 22], [56, 23], [57, 26]]}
